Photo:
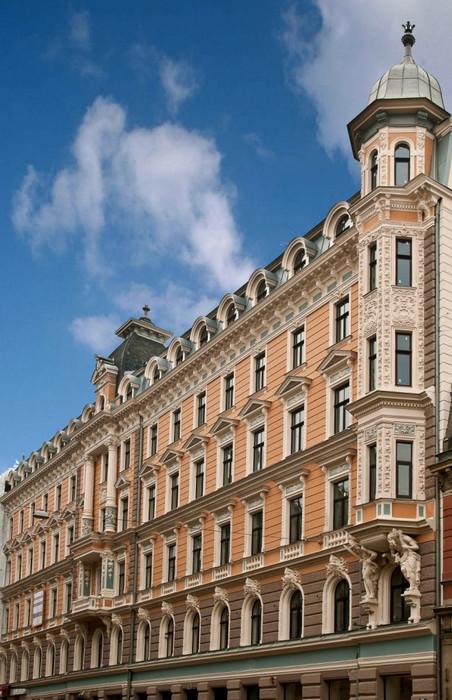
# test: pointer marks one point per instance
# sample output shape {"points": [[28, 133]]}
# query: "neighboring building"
{"points": [[248, 512], [3, 539]]}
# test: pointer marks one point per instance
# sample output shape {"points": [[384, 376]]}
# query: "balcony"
{"points": [[144, 595], [221, 572], [291, 551], [335, 538], [90, 602], [193, 580], [253, 562]]}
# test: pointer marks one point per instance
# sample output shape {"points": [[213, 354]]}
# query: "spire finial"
{"points": [[146, 311], [408, 40]]}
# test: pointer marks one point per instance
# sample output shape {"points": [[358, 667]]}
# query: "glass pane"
{"points": [[403, 480], [403, 377], [404, 342], [339, 689], [398, 688], [402, 173], [403, 272], [403, 247]]}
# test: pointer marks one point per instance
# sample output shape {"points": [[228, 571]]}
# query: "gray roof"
{"points": [[407, 79]]}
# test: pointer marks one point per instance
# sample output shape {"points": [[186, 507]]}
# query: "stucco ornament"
{"points": [[404, 551], [369, 566], [220, 595], [291, 579], [167, 608], [251, 586], [192, 603], [337, 566]]}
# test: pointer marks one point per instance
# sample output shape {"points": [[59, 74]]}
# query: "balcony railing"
{"points": [[168, 587], [193, 580], [90, 602], [221, 572], [254, 562], [291, 551], [335, 538]]}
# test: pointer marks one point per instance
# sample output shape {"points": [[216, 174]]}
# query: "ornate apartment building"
{"points": [[250, 511]]}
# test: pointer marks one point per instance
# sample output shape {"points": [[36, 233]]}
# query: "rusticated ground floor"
{"points": [[368, 667]]}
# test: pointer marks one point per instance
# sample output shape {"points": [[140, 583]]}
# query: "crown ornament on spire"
{"points": [[408, 40]]}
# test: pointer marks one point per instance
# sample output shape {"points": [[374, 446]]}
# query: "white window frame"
{"points": [[339, 471], [338, 297], [302, 323], [293, 489], [195, 529], [200, 390], [121, 557], [171, 470], [328, 602], [221, 518], [225, 437], [145, 549], [223, 390], [56, 552], [256, 352], [168, 541], [414, 365], [123, 495], [172, 423], [253, 505]]}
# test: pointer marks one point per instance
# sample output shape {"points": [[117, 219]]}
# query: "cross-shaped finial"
{"points": [[146, 310]]}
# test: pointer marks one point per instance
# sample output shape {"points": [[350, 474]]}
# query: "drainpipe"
{"points": [[438, 539], [136, 523]]}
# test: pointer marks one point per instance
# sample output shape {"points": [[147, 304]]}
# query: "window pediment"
{"points": [[171, 457], [223, 426], [336, 361], [254, 408], [122, 482], [293, 389], [68, 513], [149, 470], [196, 442]]}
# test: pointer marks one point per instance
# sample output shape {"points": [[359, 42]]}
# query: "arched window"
{"points": [[101, 403], [299, 260], [296, 615], [179, 356], [343, 224], [203, 336], [2, 669], [342, 606], [64, 649], [24, 666], [261, 291], [116, 646], [50, 660], [37, 657], [256, 622], [374, 170], [195, 624], [224, 628], [129, 393], [401, 165], [155, 375], [169, 638], [231, 314], [97, 649], [400, 610], [13, 668], [147, 642], [79, 653]]}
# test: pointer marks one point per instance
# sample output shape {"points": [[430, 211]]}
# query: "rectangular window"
{"points": [[19, 567], [121, 577], [403, 358], [153, 440], [151, 502], [256, 532], [70, 536], [126, 453], [171, 552], [124, 513], [258, 449], [148, 570], [225, 543], [56, 547], [259, 371], [72, 488], [196, 541], [403, 262], [229, 391], [174, 491], [342, 319], [103, 519], [58, 498], [176, 424], [42, 554], [340, 504], [199, 478], [372, 459], [372, 361], [341, 401], [32, 513], [201, 401], [298, 347], [21, 521], [398, 687], [68, 596], [295, 519], [296, 430], [27, 616], [53, 602], [339, 689], [227, 464], [30, 561], [45, 502], [404, 469], [372, 266], [16, 615], [104, 467]]}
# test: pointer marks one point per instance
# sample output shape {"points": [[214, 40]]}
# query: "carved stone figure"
{"points": [[337, 566], [370, 567], [404, 551], [291, 579], [192, 603], [220, 595], [251, 586]]}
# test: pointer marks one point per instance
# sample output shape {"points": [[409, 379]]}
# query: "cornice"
{"points": [[388, 399]]}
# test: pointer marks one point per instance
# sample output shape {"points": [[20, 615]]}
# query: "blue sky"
{"points": [[158, 152]]}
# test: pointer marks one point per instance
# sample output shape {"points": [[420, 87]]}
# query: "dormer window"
{"points": [[343, 224], [261, 291], [374, 170], [401, 165], [203, 337], [299, 260], [155, 375], [231, 315], [179, 356]]}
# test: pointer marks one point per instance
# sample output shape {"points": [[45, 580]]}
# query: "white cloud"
{"points": [[178, 80], [355, 43], [96, 332], [255, 142], [80, 29]]}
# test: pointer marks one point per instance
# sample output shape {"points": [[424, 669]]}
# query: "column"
{"points": [[267, 688], [311, 684], [110, 507], [88, 496], [424, 681]]}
